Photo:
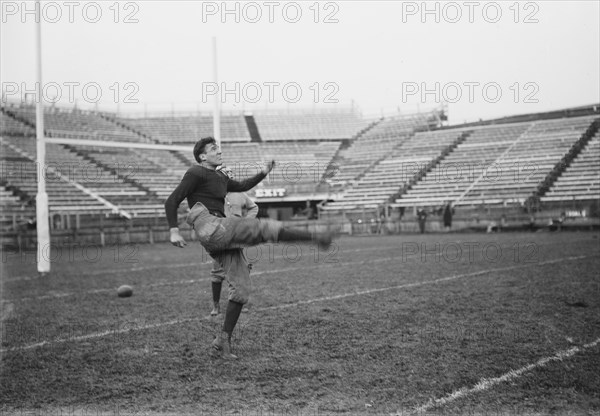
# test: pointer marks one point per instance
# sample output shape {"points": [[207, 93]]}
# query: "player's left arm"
{"points": [[247, 184]]}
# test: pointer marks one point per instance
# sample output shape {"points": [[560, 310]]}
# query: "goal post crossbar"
{"points": [[128, 145]]}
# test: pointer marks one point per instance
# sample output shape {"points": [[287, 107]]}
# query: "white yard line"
{"points": [[293, 304], [487, 383], [97, 335]]}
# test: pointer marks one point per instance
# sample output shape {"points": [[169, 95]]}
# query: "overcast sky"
{"points": [[486, 59]]}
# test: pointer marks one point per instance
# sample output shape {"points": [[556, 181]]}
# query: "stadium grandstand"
{"points": [[365, 173]]}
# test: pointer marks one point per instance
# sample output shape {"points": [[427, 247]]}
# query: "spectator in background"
{"points": [[448, 211], [503, 223], [381, 223], [422, 219], [237, 204], [561, 220], [308, 211], [531, 222]]}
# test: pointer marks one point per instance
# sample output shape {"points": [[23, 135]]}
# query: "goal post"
{"points": [[94, 177], [217, 103], [43, 231], [42, 203]]}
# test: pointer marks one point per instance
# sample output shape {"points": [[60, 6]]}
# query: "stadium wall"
{"points": [[125, 233]]}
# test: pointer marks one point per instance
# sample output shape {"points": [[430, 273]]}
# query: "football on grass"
{"points": [[124, 291]]}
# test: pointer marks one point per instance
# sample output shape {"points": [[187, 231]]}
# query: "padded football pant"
{"points": [[224, 238]]}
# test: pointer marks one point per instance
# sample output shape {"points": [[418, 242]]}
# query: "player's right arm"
{"points": [[172, 204]]}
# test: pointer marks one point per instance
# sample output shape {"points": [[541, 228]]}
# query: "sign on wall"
{"points": [[266, 193]]}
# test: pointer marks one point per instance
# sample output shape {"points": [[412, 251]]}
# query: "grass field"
{"points": [[415, 324]]}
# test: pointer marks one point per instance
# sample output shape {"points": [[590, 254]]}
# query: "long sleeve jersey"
{"points": [[207, 186]]}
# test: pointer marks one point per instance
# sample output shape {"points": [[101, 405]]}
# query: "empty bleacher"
{"points": [[139, 185], [527, 163], [11, 126], [188, 129], [20, 173], [73, 123], [375, 144], [86, 185], [316, 125], [581, 180], [498, 164], [388, 176], [300, 166], [244, 159], [13, 210]]}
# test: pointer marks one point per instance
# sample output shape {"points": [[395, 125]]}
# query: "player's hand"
{"points": [[268, 167], [176, 238]]}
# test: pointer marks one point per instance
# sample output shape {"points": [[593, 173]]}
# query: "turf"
{"points": [[377, 325]]}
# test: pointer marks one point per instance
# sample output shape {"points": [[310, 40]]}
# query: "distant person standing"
{"points": [[308, 211], [422, 219], [448, 216], [503, 223], [237, 204], [531, 222]]}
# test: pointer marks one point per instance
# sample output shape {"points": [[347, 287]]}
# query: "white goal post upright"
{"points": [[41, 199], [217, 106]]}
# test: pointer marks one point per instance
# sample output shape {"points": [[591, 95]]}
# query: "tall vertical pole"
{"points": [[217, 106], [41, 199]]}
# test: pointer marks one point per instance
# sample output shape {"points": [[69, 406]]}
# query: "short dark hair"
{"points": [[201, 145]]}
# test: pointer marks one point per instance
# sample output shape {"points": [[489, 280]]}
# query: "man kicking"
{"points": [[223, 238]]}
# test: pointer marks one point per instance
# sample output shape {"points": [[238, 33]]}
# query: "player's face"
{"points": [[213, 155]]}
